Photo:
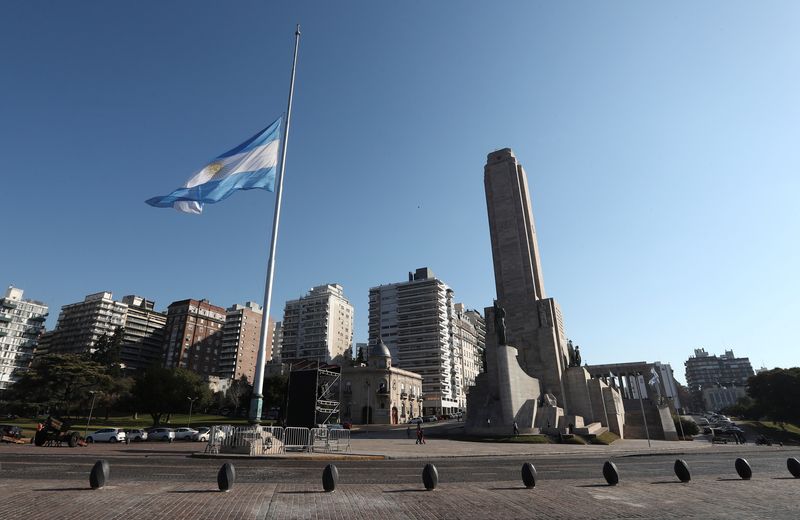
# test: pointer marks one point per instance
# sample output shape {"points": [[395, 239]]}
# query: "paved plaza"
{"points": [[477, 480]]}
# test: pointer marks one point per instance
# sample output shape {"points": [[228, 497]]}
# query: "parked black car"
{"points": [[10, 430]]}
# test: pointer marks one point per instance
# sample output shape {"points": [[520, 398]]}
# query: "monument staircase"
{"points": [[634, 424], [594, 428]]}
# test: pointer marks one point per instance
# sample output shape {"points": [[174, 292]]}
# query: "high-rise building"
{"points": [[80, 325], [143, 336], [717, 381], [21, 324], [425, 334], [277, 342], [193, 336], [241, 337], [318, 326], [468, 340]]}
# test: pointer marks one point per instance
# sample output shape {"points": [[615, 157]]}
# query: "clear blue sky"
{"points": [[660, 141]]}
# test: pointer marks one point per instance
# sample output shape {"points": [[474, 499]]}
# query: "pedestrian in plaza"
{"points": [[516, 428], [408, 431], [421, 436]]}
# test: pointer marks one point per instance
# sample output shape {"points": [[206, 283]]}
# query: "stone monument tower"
{"points": [[533, 321], [532, 379]]}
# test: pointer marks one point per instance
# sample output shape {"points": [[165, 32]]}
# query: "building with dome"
{"points": [[377, 392]]}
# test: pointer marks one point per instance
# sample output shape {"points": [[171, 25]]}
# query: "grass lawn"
{"points": [[127, 421], [606, 438], [771, 430]]}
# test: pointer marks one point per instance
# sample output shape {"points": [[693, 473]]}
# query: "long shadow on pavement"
{"points": [[65, 489]]}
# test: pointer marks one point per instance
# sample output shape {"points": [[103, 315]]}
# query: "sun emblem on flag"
{"points": [[214, 167]]}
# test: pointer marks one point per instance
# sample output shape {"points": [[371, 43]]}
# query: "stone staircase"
{"points": [[634, 424], [594, 428]]}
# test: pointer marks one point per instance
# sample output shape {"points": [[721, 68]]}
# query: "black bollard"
{"points": [[743, 469], [330, 477], [430, 477], [99, 475], [226, 477], [610, 473], [794, 466], [682, 471], [528, 475]]}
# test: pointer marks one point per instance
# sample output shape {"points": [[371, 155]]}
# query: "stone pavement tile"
{"points": [[765, 497]]}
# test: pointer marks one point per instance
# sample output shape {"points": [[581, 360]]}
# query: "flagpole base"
{"points": [[256, 405]]}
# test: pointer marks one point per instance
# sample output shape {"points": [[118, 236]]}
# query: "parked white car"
{"points": [[184, 434], [136, 435], [106, 435], [161, 434], [204, 433]]}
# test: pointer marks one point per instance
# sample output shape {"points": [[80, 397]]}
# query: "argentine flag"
{"points": [[248, 166]]}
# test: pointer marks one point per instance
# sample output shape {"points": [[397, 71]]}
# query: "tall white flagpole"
{"points": [[257, 401]]}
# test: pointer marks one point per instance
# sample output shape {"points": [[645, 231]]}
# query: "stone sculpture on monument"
{"points": [[527, 354]]}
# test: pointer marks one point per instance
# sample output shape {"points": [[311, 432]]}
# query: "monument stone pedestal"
{"points": [[502, 395]]}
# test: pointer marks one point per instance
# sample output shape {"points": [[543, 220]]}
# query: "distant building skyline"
{"points": [[717, 381], [193, 336], [21, 324], [317, 326], [143, 334], [81, 324], [418, 322], [241, 341]]}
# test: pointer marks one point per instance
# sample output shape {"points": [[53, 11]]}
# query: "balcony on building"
{"points": [[382, 390], [404, 395], [5, 318], [9, 304]]}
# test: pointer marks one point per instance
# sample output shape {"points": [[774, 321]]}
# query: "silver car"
{"points": [[161, 434], [184, 434], [106, 435]]}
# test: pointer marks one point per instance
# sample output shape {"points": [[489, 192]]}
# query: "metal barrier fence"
{"points": [[271, 440], [296, 439], [323, 439], [249, 440]]}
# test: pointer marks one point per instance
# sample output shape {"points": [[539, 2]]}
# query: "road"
{"points": [[159, 462], [160, 481]]}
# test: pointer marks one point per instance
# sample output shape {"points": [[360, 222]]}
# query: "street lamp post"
{"points": [[191, 403], [91, 409]]}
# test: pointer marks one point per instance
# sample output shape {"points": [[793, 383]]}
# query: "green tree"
{"points": [[107, 351], [775, 393], [275, 388], [163, 391], [239, 393], [61, 382]]}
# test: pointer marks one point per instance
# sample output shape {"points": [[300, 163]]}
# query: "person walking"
{"points": [[419, 435], [408, 431], [516, 428]]}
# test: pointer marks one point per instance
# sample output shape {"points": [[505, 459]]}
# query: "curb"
{"points": [[313, 457]]}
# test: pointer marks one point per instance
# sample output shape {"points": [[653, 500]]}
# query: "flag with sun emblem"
{"points": [[249, 166]]}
